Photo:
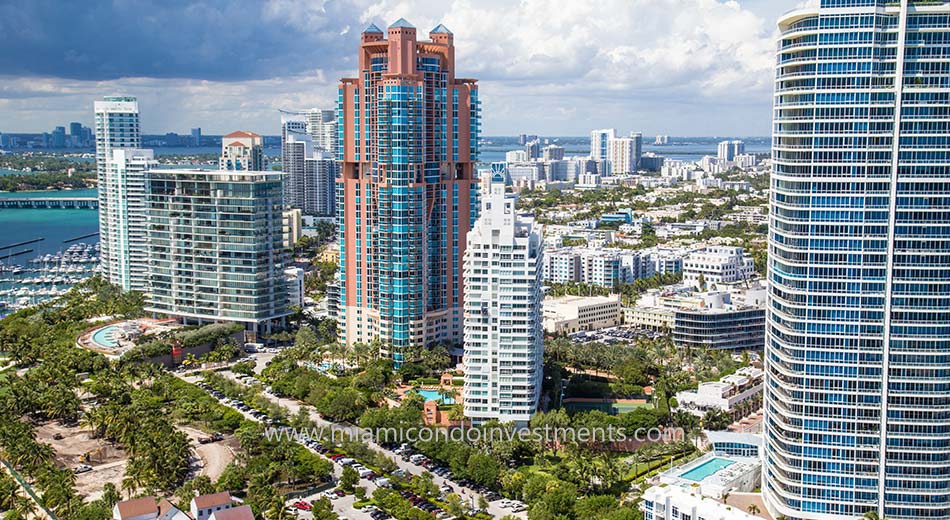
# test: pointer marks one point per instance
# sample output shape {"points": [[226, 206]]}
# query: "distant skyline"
{"points": [[676, 67]]}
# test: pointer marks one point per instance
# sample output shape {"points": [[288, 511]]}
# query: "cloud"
{"points": [[212, 39], [548, 66]]}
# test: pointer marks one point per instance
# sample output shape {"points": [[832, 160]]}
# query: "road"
{"points": [[467, 494], [343, 506], [214, 456]]}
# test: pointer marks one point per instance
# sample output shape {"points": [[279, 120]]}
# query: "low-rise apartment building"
{"points": [[735, 394], [570, 314]]}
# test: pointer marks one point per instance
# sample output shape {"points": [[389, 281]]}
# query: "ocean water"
{"points": [[53, 225]]}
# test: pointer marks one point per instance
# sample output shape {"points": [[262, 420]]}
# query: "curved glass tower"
{"points": [[858, 349]]}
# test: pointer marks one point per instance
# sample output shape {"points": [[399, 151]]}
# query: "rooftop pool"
{"points": [[710, 467]]}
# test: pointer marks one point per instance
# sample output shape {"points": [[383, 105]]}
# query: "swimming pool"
{"points": [[433, 395], [707, 468], [105, 336]]}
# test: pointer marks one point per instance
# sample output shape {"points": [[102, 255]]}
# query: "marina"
{"points": [[46, 276]]}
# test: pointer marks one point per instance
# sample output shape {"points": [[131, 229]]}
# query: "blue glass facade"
{"points": [[858, 346]]}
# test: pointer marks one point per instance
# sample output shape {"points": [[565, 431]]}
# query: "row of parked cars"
{"points": [[407, 454], [613, 335], [236, 404], [376, 513]]}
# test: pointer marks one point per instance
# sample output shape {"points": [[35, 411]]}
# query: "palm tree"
{"points": [[360, 353], [753, 509], [59, 491], [374, 348], [32, 456]]}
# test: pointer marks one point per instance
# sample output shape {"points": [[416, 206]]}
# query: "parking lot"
{"points": [[614, 335], [467, 491]]}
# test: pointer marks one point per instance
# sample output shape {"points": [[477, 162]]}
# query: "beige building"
{"points": [[293, 227], [569, 314], [242, 150], [649, 317]]}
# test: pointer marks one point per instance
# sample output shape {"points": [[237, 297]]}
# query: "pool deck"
{"points": [[403, 391], [89, 340], [741, 474]]}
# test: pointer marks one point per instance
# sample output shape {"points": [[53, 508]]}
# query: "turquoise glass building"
{"points": [[406, 194]]}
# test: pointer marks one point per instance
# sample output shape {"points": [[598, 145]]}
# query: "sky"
{"points": [[548, 67]]}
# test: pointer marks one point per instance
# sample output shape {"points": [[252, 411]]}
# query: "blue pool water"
{"points": [[433, 395], [707, 468], [103, 336]]}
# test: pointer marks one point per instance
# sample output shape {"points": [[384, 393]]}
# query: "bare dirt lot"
{"points": [[214, 456], [107, 461]]}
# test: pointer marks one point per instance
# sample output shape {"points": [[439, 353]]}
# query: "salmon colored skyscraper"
{"points": [[408, 143]]}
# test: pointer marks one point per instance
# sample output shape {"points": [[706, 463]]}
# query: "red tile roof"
{"points": [[137, 507], [242, 133], [164, 507], [235, 513], [216, 499]]}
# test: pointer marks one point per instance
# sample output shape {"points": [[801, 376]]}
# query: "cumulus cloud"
{"points": [[549, 66]]}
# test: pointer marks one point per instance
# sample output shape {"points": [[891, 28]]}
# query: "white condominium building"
{"points": [[310, 172], [624, 154], [117, 127], [728, 150], [726, 395], [715, 265], [503, 336], [125, 184], [598, 143], [677, 503], [321, 124], [242, 150]]}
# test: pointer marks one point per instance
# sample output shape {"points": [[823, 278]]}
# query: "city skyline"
{"points": [[719, 83]]}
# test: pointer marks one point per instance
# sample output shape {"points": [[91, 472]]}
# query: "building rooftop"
{"points": [[441, 29], [137, 507], [713, 474], [165, 507], [234, 513], [688, 499], [242, 133], [401, 23], [213, 500], [582, 300], [372, 28]]}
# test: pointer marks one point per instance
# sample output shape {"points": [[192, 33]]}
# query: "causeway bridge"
{"points": [[50, 203]]}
